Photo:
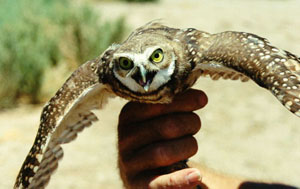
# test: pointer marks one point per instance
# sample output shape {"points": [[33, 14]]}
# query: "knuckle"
{"points": [[169, 129], [123, 159], [196, 122], [199, 100], [123, 134], [122, 148], [124, 170], [193, 146], [160, 156], [124, 110], [204, 99], [179, 124], [128, 112]]}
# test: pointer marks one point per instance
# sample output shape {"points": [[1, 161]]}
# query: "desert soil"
{"points": [[245, 130]]}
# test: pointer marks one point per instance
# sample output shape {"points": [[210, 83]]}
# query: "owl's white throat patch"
{"points": [[161, 78]]}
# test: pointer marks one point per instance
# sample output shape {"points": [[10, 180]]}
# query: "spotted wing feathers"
{"points": [[239, 55], [54, 151], [66, 114], [216, 71], [285, 85]]}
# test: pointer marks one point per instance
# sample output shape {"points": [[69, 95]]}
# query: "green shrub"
{"points": [[36, 35]]}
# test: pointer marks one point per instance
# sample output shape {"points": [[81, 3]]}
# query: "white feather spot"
{"points": [[288, 104], [39, 157], [35, 169]]}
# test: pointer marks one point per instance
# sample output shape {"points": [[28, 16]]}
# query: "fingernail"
{"points": [[194, 176]]}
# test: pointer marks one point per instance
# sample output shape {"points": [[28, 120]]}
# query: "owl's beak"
{"points": [[143, 74], [143, 77]]}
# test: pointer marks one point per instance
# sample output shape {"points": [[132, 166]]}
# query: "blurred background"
{"points": [[245, 131]]}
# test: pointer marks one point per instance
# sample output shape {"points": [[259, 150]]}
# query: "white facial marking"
{"points": [[162, 76], [140, 59], [129, 82]]}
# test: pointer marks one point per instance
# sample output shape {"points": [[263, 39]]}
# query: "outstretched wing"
{"points": [[66, 114], [239, 55]]}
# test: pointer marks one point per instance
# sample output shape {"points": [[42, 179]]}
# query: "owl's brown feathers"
{"points": [[253, 56], [188, 54]]}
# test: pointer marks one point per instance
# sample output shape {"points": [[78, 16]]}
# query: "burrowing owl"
{"points": [[154, 64]]}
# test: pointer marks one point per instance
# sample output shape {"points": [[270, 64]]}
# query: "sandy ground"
{"points": [[245, 130]]}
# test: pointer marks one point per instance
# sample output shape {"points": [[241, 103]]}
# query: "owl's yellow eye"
{"points": [[157, 56], [125, 63]]}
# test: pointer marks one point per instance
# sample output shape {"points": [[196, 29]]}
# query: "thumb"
{"points": [[185, 178]]}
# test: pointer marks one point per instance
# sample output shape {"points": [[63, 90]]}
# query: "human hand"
{"points": [[152, 136]]}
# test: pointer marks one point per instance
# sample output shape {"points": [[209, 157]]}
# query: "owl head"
{"points": [[149, 65], [146, 66]]}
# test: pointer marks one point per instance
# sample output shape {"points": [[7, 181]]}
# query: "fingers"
{"points": [[189, 101], [155, 136], [161, 128], [160, 154], [186, 178]]}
